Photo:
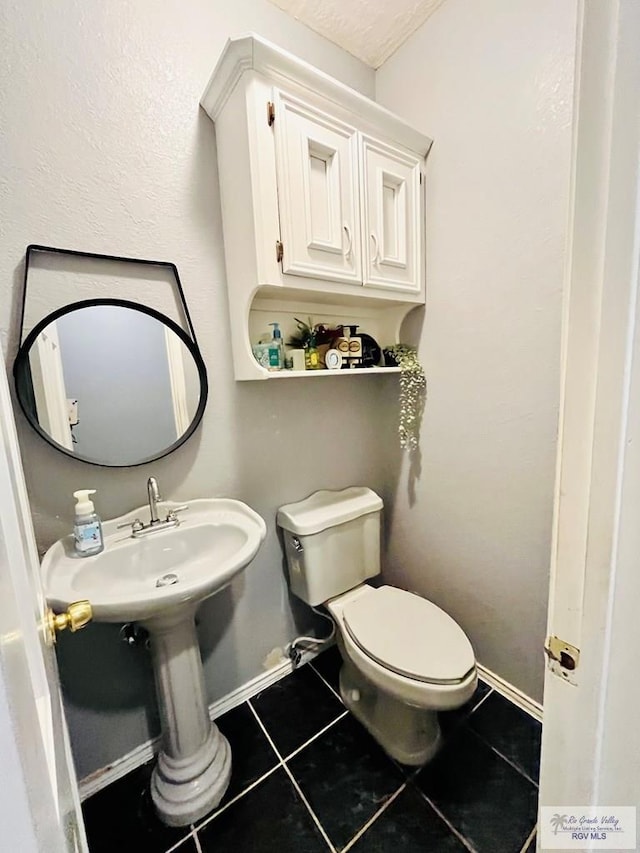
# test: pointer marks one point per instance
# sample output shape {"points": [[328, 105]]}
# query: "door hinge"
{"points": [[271, 113], [279, 251], [562, 656]]}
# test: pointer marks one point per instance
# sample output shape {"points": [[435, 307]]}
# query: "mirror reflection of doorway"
{"points": [[49, 393], [110, 383]]}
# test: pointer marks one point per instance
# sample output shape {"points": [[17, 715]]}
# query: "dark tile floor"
{"points": [[307, 778]]}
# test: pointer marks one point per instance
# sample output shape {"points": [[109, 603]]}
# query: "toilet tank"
{"points": [[332, 541]]}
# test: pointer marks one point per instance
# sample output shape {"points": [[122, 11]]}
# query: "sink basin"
{"points": [[216, 539]]}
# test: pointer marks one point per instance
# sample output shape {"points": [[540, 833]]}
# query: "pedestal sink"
{"points": [[159, 580]]}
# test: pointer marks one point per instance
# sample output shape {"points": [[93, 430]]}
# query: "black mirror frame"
{"points": [[22, 357]]}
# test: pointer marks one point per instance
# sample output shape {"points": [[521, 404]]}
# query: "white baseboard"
{"points": [[141, 754], [533, 708]]}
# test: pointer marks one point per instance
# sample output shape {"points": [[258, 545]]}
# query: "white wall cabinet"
{"points": [[322, 196]]}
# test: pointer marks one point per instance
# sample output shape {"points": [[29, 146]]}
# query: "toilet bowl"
{"points": [[404, 659]]}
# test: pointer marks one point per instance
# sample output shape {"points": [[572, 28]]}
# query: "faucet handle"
{"points": [[135, 525], [172, 514]]}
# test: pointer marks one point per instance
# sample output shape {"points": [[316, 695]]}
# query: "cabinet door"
{"points": [[391, 217], [317, 174]]}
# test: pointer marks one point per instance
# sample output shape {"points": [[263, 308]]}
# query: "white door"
{"points": [[317, 172], [391, 216], [39, 805], [591, 739], [49, 388]]}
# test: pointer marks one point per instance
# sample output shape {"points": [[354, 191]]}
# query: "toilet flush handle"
{"points": [[297, 544]]}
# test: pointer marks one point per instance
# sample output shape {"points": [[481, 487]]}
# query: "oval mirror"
{"points": [[111, 382]]}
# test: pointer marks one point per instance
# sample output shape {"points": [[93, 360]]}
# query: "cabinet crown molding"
{"points": [[253, 53]]}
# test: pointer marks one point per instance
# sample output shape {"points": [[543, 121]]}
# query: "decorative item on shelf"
{"points": [[261, 353], [413, 392], [314, 340], [298, 340], [297, 358], [389, 357], [371, 352], [349, 345], [333, 359], [311, 354]]}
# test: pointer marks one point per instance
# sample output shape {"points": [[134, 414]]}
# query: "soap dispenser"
{"points": [[276, 349], [87, 527]]}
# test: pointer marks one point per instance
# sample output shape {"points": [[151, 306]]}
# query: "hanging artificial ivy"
{"points": [[413, 393]]}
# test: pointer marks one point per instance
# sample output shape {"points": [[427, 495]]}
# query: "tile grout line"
{"points": [[280, 763], [237, 797], [373, 818], [316, 735], [321, 676], [264, 731], [450, 826], [519, 770], [481, 701], [196, 841], [515, 767], [309, 809], [491, 746], [464, 720], [183, 841], [530, 837], [293, 781]]}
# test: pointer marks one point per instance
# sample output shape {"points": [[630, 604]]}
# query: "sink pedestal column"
{"points": [[194, 766]]}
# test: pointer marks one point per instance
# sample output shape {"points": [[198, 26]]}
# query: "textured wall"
{"points": [[492, 83], [104, 149]]}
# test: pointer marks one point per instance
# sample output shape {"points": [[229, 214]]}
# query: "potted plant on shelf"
{"points": [[413, 392], [314, 340]]}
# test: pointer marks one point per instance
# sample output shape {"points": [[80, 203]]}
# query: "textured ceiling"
{"points": [[369, 29]]}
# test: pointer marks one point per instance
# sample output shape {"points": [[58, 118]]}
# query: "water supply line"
{"points": [[295, 653]]}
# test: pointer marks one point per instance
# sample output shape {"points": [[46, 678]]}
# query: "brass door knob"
{"points": [[76, 616]]}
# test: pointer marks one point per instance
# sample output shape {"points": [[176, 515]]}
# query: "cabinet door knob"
{"points": [[347, 231], [375, 260]]}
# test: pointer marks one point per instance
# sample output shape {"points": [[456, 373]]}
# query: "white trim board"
{"points": [[145, 752], [524, 702]]}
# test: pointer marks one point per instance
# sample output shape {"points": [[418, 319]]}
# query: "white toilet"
{"points": [[404, 659]]}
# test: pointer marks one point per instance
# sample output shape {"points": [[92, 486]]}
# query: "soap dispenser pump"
{"points": [[276, 349], [87, 527]]}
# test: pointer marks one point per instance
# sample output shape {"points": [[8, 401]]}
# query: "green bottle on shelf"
{"points": [[311, 354]]}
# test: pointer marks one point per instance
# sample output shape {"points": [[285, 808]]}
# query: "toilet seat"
{"points": [[410, 636]]}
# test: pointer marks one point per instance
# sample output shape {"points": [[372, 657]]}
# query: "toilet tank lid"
{"points": [[327, 508]]}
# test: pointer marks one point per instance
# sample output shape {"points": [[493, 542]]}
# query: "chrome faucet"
{"points": [[154, 498], [138, 529]]}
